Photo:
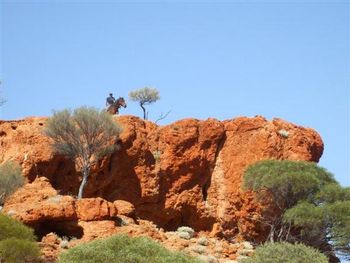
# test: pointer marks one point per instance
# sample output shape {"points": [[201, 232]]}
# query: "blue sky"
{"points": [[286, 59]]}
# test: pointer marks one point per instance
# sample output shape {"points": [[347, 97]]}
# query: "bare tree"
{"points": [[144, 96], [85, 135], [162, 116]]}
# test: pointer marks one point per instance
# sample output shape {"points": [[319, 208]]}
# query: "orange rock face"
{"points": [[125, 208], [186, 173], [94, 209], [39, 205]]}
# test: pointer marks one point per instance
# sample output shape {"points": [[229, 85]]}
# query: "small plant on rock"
{"points": [[283, 133], [10, 179], [122, 249], [185, 232], [203, 241], [17, 242], [286, 253], [156, 155]]}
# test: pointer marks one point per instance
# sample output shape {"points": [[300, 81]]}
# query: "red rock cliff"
{"points": [[185, 173]]}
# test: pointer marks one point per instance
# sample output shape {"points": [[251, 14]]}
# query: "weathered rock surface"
{"points": [[199, 245], [39, 205], [50, 247], [125, 208], [185, 173], [208, 249], [62, 222]]}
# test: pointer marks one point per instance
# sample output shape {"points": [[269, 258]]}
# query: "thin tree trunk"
{"points": [[281, 233], [288, 232], [162, 116], [272, 233], [2, 200], [144, 111], [86, 170]]}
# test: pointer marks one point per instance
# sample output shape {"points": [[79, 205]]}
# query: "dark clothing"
{"points": [[110, 100]]}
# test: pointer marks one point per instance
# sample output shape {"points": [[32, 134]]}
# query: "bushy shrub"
{"points": [[10, 179], [13, 250], [183, 235], [186, 229], [123, 249], [199, 249], [287, 182], [10, 228], [286, 253], [203, 241], [17, 242], [283, 133]]}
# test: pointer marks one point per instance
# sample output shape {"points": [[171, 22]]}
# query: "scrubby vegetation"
{"points": [[144, 96], [123, 249], [17, 242], [10, 228], [85, 135], [303, 203], [286, 253], [185, 232], [10, 179]]}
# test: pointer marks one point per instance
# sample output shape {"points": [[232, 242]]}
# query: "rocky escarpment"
{"points": [[61, 222], [186, 173]]}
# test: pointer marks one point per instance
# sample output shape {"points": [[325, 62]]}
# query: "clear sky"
{"points": [[286, 59]]}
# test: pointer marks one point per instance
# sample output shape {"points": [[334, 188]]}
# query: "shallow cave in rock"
{"points": [[61, 228]]}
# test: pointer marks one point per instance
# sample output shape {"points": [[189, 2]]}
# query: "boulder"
{"points": [[39, 205]]}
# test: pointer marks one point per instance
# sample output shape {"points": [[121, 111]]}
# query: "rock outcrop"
{"points": [[186, 173], [62, 222], [40, 206]]}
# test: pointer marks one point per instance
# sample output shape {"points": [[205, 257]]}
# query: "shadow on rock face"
{"points": [[61, 228]]}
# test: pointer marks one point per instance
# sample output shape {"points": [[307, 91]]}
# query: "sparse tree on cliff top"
{"points": [[144, 96], [85, 135]]}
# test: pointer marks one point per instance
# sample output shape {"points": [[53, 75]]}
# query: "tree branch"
{"points": [[162, 116]]}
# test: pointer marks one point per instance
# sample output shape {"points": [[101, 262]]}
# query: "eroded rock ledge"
{"points": [[186, 173]]}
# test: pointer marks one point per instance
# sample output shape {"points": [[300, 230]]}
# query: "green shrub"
{"points": [[287, 182], [10, 228], [123, 249], [14, 250], [17, 242], [286, 253], [10, 179]]}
